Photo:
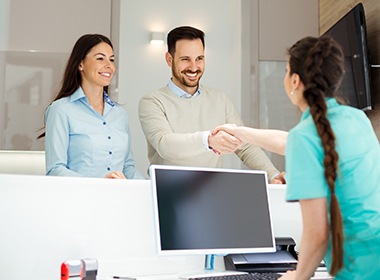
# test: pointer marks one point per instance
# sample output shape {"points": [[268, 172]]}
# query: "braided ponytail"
{"points": [[318, 112], [321, 72]]}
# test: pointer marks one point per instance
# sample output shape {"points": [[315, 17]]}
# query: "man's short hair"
{"points": [[183, 32]]}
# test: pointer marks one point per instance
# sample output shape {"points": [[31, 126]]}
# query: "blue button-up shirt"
{"points": [[82, 142], [180, 92]]}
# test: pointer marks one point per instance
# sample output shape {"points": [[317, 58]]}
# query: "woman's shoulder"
{"points": [[346, 114], [305, 126], [59, 104], [352, 111]]}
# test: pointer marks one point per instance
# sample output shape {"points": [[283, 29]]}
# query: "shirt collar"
{"points": [[108, 99], [180, 92], [330, 103], [78, 94]]}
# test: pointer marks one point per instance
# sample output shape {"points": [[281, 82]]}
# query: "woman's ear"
{"points": [[295, 81]]}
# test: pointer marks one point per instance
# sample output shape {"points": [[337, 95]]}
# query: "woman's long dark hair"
{"points": [[320, 64], [72, 78]]}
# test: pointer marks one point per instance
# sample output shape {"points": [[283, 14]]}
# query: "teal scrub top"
{"points": [[357, 183]]}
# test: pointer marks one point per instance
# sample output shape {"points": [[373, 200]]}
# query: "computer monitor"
{"points": [[211, 211]]}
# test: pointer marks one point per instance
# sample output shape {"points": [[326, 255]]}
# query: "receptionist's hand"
{"points": [[224, 143], [279, 179]]}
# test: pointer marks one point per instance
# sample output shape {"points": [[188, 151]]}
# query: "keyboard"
{"points": [[249, 276]]}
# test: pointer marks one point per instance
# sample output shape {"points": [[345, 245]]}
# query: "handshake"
{"points": [[224, 139], [227, 138]]}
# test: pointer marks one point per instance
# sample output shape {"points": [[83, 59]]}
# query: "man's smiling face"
{"points": [[188, 64]]}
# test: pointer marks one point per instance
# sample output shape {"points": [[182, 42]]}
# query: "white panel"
{"points": [[22, 162], [46, 220]]}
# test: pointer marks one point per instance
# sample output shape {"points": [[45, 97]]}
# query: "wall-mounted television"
{"points": [[351, 33]]}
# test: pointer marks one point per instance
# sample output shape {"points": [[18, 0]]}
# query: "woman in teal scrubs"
{"points": [[332, 166]]}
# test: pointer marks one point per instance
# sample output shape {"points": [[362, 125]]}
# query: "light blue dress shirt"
{"points": [[357, 184], [180, 92], [82, 142]]}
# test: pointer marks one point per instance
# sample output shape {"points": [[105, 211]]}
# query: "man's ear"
{"points": [[169, 59]]}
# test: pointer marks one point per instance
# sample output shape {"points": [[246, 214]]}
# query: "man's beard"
{"points": [[182, 78]]}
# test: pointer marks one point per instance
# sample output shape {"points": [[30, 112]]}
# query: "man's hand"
{"points": [[279, 179], [115, 175], [224, 143]]}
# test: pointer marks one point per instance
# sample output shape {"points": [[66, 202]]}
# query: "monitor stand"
{"points": [[208, 270]]}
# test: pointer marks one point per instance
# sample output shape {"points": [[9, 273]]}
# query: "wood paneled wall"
{"points": [[330, 12]]}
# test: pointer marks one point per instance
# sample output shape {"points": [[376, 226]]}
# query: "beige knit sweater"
{"points": [[173, 127]]}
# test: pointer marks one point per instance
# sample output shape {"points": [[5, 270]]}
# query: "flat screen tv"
{"points": [[210, 211], [351, 33]]}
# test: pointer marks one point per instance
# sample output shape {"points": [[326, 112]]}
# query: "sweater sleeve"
{"points": [[255, 158], [158, 132]]}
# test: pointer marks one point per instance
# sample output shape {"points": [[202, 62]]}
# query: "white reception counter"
{"points": [[47, 220]]}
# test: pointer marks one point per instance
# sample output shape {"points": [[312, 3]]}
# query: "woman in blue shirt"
{"points": [[332, 165], [87, 134]]}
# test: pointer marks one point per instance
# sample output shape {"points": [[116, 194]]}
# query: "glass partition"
{"points": [[276, 110], [30, 81]]}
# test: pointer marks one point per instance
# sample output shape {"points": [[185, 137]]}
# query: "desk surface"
{"points": [[48, 220]]}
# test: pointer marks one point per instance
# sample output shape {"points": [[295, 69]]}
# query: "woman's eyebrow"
{"points": [[102, 54]]}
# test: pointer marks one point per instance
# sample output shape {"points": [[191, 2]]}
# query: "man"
{"points": [[177, 119]]}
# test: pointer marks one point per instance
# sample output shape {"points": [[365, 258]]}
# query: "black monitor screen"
{"points": [[210, 211]]}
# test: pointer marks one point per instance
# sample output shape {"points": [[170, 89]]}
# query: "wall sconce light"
{"points": [[157, 38]]}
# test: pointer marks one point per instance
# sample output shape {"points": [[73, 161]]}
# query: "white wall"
{"points": [[142, 67]]}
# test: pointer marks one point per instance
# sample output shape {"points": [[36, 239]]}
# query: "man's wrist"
{"points": [[274, 176], [205, 136]]}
